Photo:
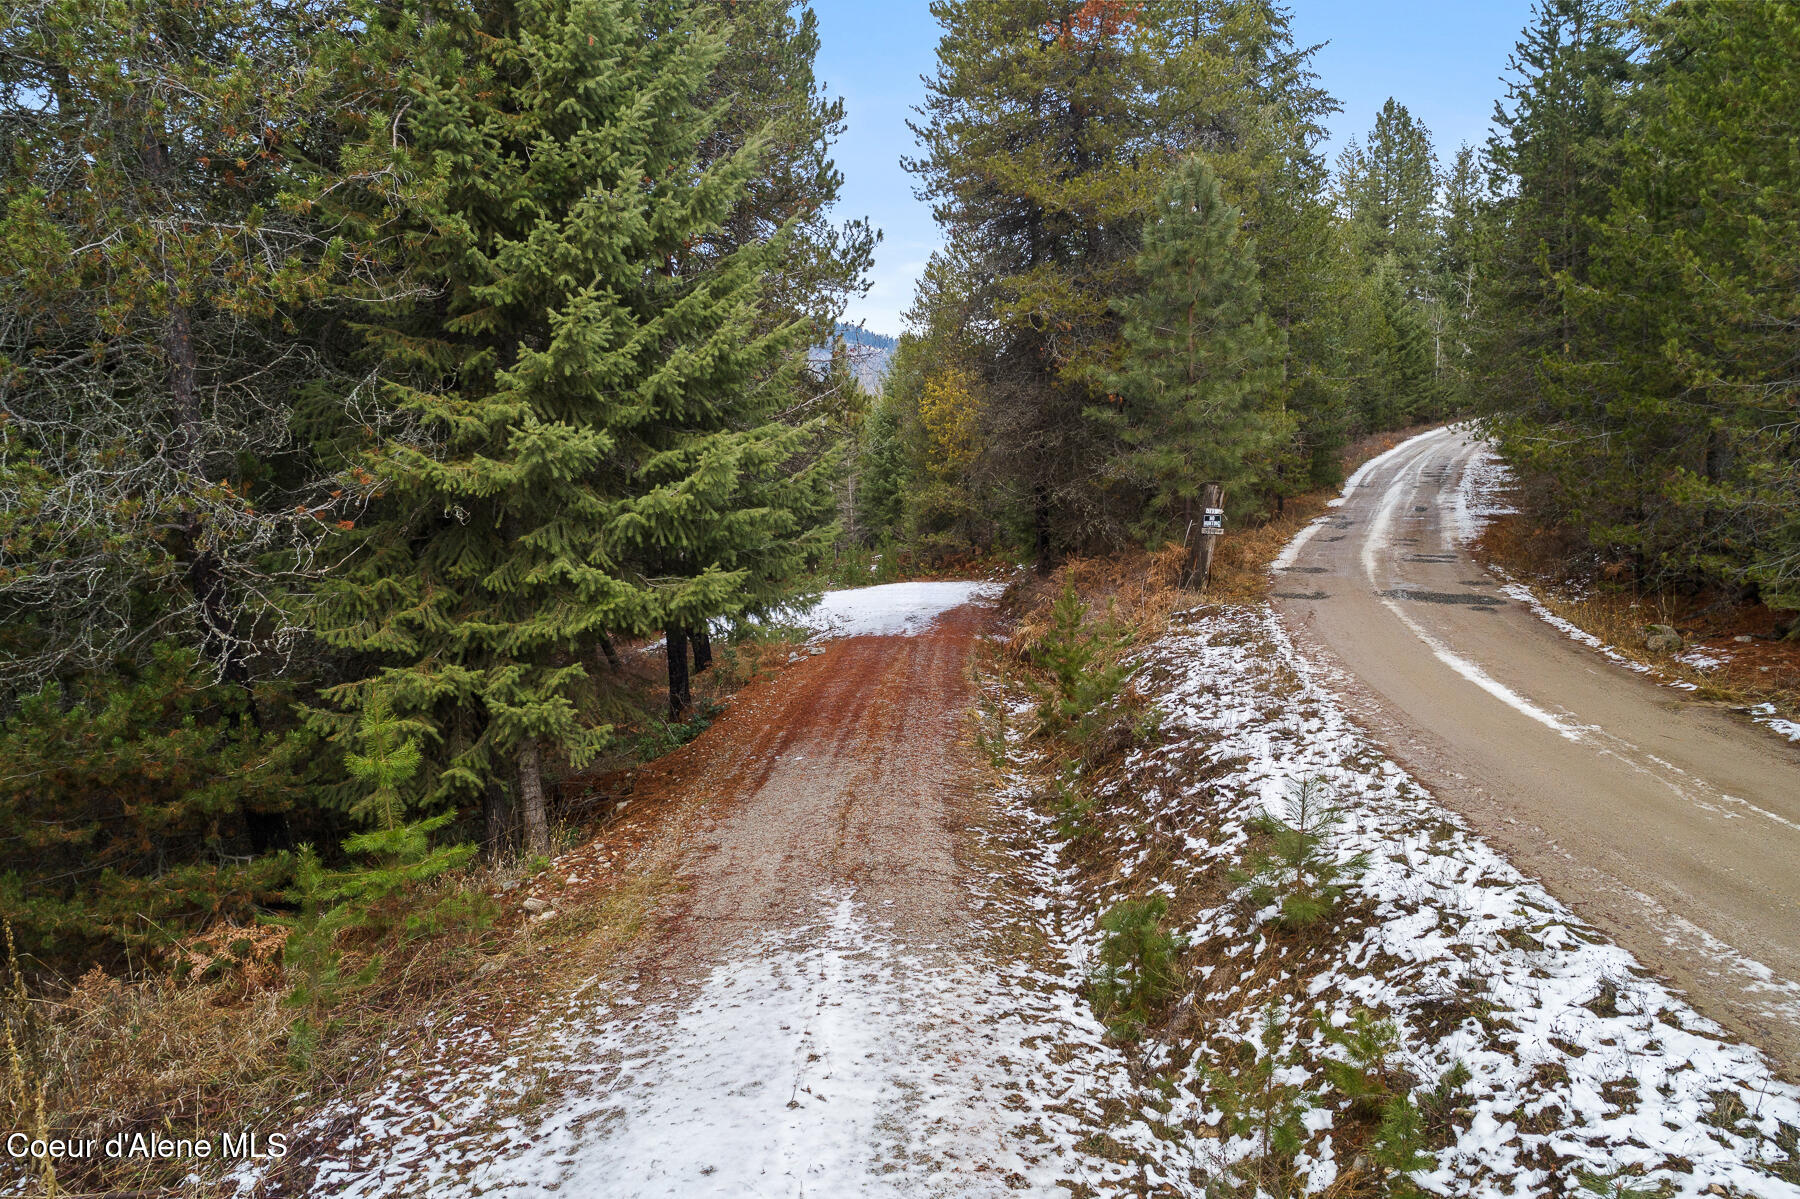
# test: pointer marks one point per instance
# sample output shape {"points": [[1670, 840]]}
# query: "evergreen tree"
{"points": [[156, 249], [1036, 165], [116, 807], [1230, 71], [764, 90], [1202, 362], [593, 446], [1049, 128], [1388, 194], [1678, 388], [1454, 274], [1551, 166]]}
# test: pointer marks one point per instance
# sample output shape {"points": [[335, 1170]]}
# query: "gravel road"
{"points": [[1671, 824]]}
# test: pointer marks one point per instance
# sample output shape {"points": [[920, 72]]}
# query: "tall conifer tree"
{"points": [[593, 445], [1198, 393]]}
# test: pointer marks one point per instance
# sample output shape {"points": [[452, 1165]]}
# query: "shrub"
{"points": [[1139, 969], [1298, 873], [125, 807]]}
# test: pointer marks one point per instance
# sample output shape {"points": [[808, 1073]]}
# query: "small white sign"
{"points": [[1212, 521]]}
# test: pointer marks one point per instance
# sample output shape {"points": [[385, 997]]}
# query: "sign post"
{"points": [[1212, 527]]}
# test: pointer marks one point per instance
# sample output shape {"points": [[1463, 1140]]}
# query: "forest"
{"points": [[377, 377]]}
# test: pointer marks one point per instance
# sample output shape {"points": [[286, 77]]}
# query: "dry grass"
{"points": [[1137, 590]]}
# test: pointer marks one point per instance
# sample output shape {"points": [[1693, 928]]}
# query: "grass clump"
{"points": [[1297, 872], [1140, 967]]}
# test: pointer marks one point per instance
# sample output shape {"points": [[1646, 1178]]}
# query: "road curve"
{"points": [[1671, 825]]}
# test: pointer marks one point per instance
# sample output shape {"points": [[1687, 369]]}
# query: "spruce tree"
{"points": [[591, 441], [1551, 165], [1454, 268], [1202, 362], [1230, 71]]}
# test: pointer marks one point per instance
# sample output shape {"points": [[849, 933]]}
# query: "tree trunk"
{"points": [[609, 653], [497, 809], [702, 640], [266, 831], [1040, 515], [679, 692], [531, 799]]}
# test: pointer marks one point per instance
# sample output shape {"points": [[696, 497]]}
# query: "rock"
{"points": [[1743, 639], [487, 968], [1662, 639], [815, 650], [536, 906], [546, 914]]}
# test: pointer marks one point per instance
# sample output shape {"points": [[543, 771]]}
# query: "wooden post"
{"points": [[1212, 525]]}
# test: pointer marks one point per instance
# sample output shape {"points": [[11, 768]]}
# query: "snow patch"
{"points": [[1362, 472], [1579, 1059], [1485, 479], [890, 609]]}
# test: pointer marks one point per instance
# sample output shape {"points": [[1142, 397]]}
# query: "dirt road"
{"points": [[1673, 826], [846, 993]]}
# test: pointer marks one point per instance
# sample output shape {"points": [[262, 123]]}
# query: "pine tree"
{"points": [[1454, 269], [1395, 383], [1680, 370], [396, 859], [1037, 167], [156, 251], [1387, 189], [1230, 71], [766, 91], [593, 442], [117, 804], [1202, 362], [1048, 130], [1551, 166]]}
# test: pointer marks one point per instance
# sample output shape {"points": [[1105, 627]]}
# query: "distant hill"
{"points": [[870, 352]]}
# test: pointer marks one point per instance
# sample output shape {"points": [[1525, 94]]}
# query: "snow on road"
{"points": [[826, 1059], [891, 609]]}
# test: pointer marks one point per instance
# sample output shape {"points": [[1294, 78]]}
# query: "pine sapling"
{"points": [[1249, 1089], [1298, 873], [1085, 675], [1140, 966]]}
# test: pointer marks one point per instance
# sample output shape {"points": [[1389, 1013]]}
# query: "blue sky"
{"points": [[1441, 59]]}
